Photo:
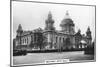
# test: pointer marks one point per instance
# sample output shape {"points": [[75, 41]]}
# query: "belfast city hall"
{"points": [[49, 38]]}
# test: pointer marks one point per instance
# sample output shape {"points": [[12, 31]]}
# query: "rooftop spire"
{"points": [[49, 15], [79, 31], [19, 28], [67, 14], [88, 28], [49, 22]]}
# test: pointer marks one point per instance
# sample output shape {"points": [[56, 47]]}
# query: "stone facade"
{"points": [[50, 38]]}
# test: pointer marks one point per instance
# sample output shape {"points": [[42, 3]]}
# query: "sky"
{"points": [[33, 15]]}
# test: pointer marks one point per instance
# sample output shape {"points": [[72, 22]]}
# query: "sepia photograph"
{"points": [[52, 33]]}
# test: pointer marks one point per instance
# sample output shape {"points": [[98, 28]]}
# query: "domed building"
{"points": [[49, 38]]}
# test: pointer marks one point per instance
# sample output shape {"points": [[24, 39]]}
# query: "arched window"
{"points": [[60, 39], [63, 40], [23, 40], [56, 39], [27, 40]]}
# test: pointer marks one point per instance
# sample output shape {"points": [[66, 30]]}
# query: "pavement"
{"points": [[34, 58]]}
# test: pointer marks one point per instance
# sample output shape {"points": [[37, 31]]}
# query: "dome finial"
{"points": [[67, 15], [67, 12]]}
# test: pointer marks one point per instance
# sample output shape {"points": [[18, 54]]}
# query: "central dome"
{"points": [[67, 20]]}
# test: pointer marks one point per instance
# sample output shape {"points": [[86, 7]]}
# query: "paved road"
{"points": [[32, 58]]}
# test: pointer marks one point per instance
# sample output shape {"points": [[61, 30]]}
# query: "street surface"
{"points": [[32, 58]]}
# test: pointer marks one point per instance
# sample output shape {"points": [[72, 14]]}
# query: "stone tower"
{"points": [[88, 36], [49, 30], [19, 32], [49, 22], [78, 38]]}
